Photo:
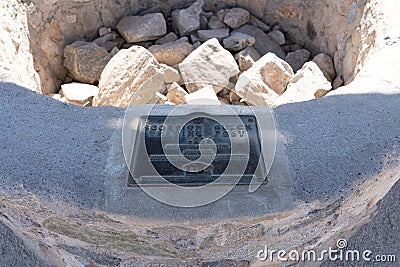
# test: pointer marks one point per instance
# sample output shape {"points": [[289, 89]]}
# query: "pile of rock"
{"points": [[228, 57]]}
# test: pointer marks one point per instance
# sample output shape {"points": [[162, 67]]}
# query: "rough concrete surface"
{"points": [[343, 156], [60, 152], [330, 143], [13, 251], [382, 234]]}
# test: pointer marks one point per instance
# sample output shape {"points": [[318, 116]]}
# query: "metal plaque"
{"points": [[159, 135]]}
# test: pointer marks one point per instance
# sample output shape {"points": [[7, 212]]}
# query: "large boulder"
{"points": [[262, 84], [236, 17], [256, 22], [168, 38], [78, 93], [108, 37], [278, 37], [133, 76], [171, 75], [85, 61], [238, 41], [308, 83], [264, 44], [297, 58], [208, 64], [188, 20], [104, 30], [246, 58], [204, 96], [325, 63], [142, 28], [215, 22], [172, 53], [219, 34], [338, 82], [176, 94]]}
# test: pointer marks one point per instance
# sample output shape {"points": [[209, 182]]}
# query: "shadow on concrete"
{"points": [[14, 251]]}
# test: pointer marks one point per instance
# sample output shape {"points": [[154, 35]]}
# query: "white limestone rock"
{"points": [[262, 84], [78, 93], [204, 96], [308, 83], [133, 76], [210, 64], [176, 94]]}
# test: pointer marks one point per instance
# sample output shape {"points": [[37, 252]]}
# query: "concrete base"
{"points": [[68, 158], [275, 196], [61, 177]]}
